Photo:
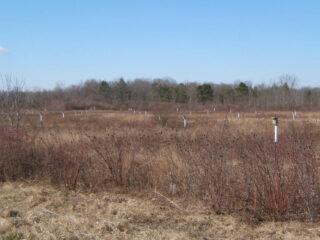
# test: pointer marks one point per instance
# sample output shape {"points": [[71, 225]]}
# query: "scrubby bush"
{"points": [[232, 170]]}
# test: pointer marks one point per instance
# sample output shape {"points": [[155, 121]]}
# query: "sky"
{"points": [[59, 42]]}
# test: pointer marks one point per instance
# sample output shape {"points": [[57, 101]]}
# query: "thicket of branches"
{"points": [[218, 162], [282, 95], [222, 163]]}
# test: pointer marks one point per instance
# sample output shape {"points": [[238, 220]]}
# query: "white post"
{"points": [[275, 122], [184, 122], [40, 117], [159, 117], [62, 114], [214, 109], [145, 113], [172, 188], [276, 133], [238, 115], [293, 116]]}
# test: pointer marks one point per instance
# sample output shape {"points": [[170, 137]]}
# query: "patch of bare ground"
{"points": [[36, 211]]}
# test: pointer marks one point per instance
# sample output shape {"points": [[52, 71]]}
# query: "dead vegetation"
{"points": [[31, 210], [231, 165]]}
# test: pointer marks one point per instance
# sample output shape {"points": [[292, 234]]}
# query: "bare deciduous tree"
{"points": [[13, 99]]}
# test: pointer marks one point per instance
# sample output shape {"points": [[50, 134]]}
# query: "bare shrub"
{"points": [[220, 162]]}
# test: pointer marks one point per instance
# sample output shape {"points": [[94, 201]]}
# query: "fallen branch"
{"points": [[47, 211], [169, 200]]}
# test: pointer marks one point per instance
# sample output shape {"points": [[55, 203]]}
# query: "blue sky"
{"points": [[66, 42]]}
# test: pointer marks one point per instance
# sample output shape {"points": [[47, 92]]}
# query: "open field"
{"points": [[228, 174], [159, 120]]}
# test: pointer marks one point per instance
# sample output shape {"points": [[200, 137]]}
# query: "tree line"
{"points": [[141, 92]]}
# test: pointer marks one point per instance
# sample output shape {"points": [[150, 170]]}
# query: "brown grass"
{"points": [[31, 210], [229, 164]]}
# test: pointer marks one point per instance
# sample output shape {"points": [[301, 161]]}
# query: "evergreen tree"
{"points": [[242, 90], [181, 95], [205, 93], [105, 90], [121, 91]]}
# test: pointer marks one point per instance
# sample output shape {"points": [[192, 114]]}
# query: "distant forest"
{"points": [[147, 94]]}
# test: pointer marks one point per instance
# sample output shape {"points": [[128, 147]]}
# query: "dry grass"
{"points": [[230, 165], [36, 211]]}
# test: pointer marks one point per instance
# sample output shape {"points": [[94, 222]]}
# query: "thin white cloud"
{"points": [[3, 50]]}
